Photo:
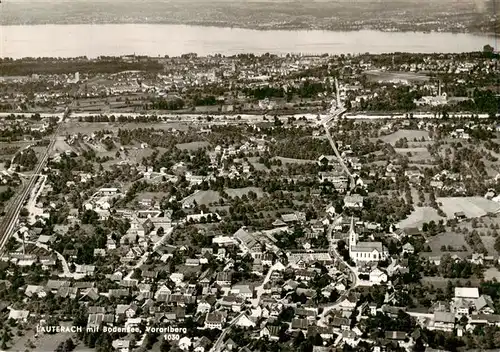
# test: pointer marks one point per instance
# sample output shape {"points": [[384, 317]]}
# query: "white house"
{"points": [[467, 292], [353, 201], [184, 343], [177, 278], [377, 276], [245, 322], [203, 307]]}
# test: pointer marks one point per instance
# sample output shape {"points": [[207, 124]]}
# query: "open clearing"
{"points": [[410, 135], [388, 76], [491, 273], [455, 240], [419, 216], [210, 197], [238, 192], [417, 154], [89, 127], [472, 207], [442, 283], [295, 161], [193, 145]]}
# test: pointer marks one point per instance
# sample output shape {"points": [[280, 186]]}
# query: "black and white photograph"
{"points": [[249, 175]]}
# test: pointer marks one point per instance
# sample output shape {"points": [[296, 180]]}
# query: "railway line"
{"points": [[9, 222]]}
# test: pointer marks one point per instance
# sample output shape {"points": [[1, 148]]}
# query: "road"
{"points": [[352, 275], [218, 344], [260, 289], [10, 220], [146, 254]]}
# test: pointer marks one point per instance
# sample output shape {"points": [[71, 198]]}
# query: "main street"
{"points": [[351, 272]]}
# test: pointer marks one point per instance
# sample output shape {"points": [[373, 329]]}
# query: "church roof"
{"points": [[368, 247]]}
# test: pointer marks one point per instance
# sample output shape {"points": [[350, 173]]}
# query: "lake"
{"points": [[160, 39]]}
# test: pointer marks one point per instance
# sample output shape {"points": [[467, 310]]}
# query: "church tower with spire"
{"points": [[353, 237]]}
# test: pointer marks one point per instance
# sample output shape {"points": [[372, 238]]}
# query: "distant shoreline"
{"points": [[261, 28]]}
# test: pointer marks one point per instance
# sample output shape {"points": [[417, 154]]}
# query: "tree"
{"points": [[165, 346], [488, 49], [299, 339]]}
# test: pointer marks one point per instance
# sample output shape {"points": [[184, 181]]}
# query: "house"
{"points": [[184, 343], [202, 344], [244, 322], [203, 307], [214, 320], [35, 290], [145, 228], [121, 345], [242, 290], [467, 292], [300, 324], [443, 321], [341, 323], [272, 332], [230, 345], [408, 248], [484, 305], [462, 306], [223, 278], [354, 201], [395, 335], [326, 332], [177, 278], [377, 276], [85, 270], [19, 315]]}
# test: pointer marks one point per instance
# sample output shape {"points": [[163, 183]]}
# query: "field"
{"points": [[471, 206], [238, 192], [89, 127], [442, 283], [203, 197], [489, 244], [295, 161], [387, 76], [410, 135], [455, 240], [47, 342], [492, 274], [255, 163], [210, 197], [193, 146], [419, 154], [419, 216]]}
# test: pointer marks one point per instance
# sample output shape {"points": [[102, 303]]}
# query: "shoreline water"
{"points": [[94, 40]]}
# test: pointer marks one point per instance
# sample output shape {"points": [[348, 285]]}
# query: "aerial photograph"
{"points": [[250, 175]]}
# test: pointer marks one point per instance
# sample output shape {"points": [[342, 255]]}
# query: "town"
{"points": [[250, 203]]}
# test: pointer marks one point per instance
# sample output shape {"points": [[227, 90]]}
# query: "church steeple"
{"points": [[353, 237]]}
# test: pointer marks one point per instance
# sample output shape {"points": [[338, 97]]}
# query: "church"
{"points": [[365, 251]]}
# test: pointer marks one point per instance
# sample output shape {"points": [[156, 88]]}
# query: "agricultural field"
{"points": [[410, 135], [295, 161], [388, 76], [472, 207], [448, 239], [419, 216], [239, 192], [193, 146], [90, 127], [416, 155]]}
